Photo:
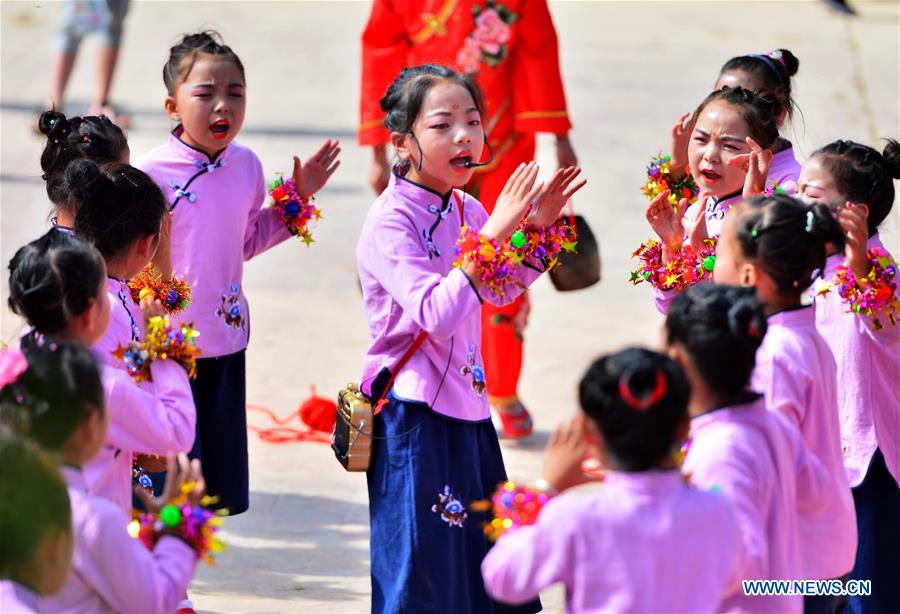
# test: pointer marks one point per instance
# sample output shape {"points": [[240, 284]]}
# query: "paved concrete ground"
{"points": [[630, 69]]}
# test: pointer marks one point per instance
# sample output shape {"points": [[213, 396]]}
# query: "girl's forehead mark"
{"points": [[455, 107]]}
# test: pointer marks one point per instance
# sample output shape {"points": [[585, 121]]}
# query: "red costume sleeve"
{"points": [[539, 103], [385, 45]]}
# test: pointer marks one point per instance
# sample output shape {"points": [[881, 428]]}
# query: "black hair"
{"points": [[787, 238], [53, 279], [56, 393], [403, 100], [82, 136], [721, 327], [639, 439], [115, 205], [864, 175], [771, 71], [184, 55], [760, 113], [33, 501]]}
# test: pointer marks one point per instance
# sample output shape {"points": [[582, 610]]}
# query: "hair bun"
{"points": [[791, 63], [746, 319], [53, 124], [84, 181], [892, 158]]}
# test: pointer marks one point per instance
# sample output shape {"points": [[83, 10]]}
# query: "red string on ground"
{"points": [[316, 416]]}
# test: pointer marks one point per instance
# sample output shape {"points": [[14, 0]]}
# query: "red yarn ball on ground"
{"points": [[318, 413]]}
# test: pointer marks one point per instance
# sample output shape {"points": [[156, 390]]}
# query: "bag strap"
{"points": [[420, 339], [571, 209]]}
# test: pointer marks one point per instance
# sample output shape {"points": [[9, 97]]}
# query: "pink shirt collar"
{"points": [[195, 156]]}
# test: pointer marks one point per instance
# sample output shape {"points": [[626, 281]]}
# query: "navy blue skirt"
{"points": [[220, 394], [427, 544]]}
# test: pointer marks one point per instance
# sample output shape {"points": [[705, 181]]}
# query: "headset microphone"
{"points": [[471, 164]]}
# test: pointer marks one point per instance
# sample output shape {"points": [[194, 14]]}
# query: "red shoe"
{"points": [[515, 419]]}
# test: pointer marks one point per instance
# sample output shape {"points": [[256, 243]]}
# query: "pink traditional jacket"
{"points": [[405, 257], [643, 542]]}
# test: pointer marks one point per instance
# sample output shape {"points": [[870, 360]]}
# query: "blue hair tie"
{"points": [[810, 220], [771, 64]]}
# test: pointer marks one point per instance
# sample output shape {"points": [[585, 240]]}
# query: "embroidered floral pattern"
{"points": [[488, 43], [451, 510], [231, 308], [475, 370]]}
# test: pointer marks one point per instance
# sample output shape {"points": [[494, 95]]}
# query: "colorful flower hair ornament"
{"points": [[12, 364], [490, 258], [544, 244], [195, 525], [648, 400], [162, 340], [294, 211], [174, 293], [875, 295], [660, 178], [684, 268], [512, 506]]}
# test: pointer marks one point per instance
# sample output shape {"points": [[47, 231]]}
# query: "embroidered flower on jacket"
{"points": [[451, 510], [488, 42], [475, 370], [231, 308]]}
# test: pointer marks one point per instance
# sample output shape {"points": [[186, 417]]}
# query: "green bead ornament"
{"points": [[709, 263], [646, 275], [518, 239], [170, 515]]}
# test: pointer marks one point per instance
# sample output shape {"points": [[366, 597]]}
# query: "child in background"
{"points": [[768, 74], [644, 541], [858, 182], [753, 456], [58, 402], [35, 516], [777, 244], [80, 17], [215, 188], [58, 284]]}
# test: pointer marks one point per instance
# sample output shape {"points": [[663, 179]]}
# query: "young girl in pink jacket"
{"points": [[770, 75], [753, 456], [58, 283], [35, 517], [858, 182], [777, 245], [59, 402], [645, 540], [215, 188]]}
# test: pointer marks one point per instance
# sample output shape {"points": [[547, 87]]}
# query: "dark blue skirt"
{"points": [[427, 543]]}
